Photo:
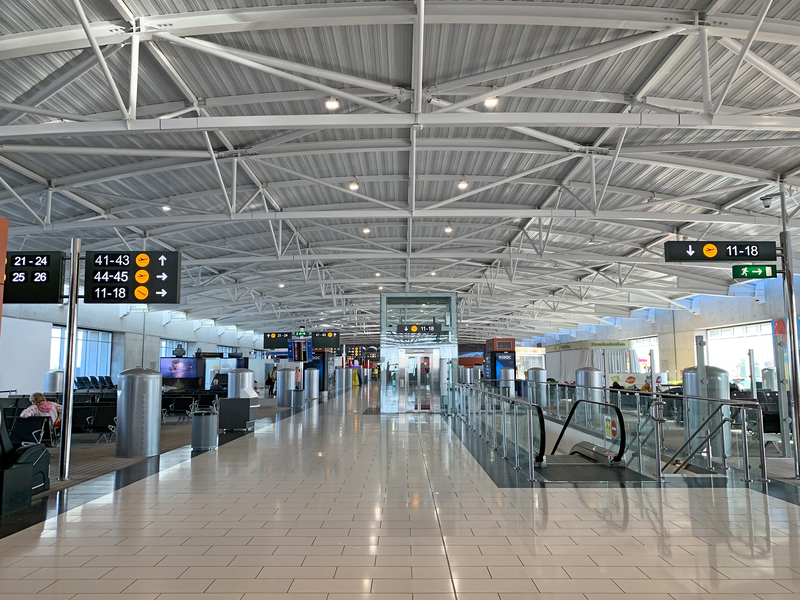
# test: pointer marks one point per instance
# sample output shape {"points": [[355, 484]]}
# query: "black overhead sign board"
{"points": [[417, 328], [132, 278], [277, 341], [719, 251], [325, 339], [34, 278]]}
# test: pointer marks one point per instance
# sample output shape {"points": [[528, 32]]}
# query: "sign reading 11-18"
{"points": [[132, 278]]}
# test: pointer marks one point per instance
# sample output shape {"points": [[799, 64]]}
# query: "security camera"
{"points": [[767, 200]]}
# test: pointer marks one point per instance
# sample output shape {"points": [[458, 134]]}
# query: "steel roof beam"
{"points": [[399, 13]]}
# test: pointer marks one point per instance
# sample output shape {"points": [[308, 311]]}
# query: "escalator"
{"points": [[586, 461]]}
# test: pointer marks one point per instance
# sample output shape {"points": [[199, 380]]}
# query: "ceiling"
{"points": [[201, 126]]}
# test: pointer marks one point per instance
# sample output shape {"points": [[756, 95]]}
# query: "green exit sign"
{"points": [[754, 271], [302, 334]]}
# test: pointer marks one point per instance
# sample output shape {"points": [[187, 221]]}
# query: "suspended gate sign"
{"points": [[34, 278], [719, 251], [754, 271], [132, 278], [431, 328]]}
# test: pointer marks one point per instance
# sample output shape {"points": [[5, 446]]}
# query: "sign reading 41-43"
{"points": [[132, 278]]}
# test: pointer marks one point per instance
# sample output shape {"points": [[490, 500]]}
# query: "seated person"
{"points": [[215, 386], [616, 386], [40, 407], [646, 387]]}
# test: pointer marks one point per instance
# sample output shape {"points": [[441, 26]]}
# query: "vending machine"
{"points": [[499, 354]]}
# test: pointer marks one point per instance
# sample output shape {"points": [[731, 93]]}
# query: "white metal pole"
{"points": [[791, 327], [69, 376], [133, 90]]}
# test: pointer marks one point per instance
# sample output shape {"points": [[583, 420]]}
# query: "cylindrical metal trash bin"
{"points": [[537, 386], [205, 426], [507, 376], [312, 383], [54, 381], [589, 386], [769, 379], [323, 396], [476, 373], [697, 411], [284, 387], [466, 375], [298, 398], [343, 380], [138, 413], [241, 383]]}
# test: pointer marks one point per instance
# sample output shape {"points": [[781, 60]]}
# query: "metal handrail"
{"points": [[622, 439], [691, 437], [514, 402]]}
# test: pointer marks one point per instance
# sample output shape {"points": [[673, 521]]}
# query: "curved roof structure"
{"points": [[305, 156]]}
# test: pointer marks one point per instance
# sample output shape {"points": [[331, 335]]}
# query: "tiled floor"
{"points": [[331, 504]]}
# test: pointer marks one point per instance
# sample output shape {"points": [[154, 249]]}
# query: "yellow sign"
{"points": [[608, 427], [142, 276], [330, 334], [141, 292], [142, 260], [710, 250], [272, 335], [413, 328]]}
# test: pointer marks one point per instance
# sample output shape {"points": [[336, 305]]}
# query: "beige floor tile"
{"points": [[741, 586], [332, 586], [269, 596], [233, 596], [167, 586], [70, 573], [249, 586], [605, 573], [87, 586], [268, 561], [517, 586], [565, 586], [659, 586], [412, 586], [373, 572]]}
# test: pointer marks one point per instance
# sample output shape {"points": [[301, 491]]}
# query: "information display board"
{"points": [[276, 341], [34, 278], [326, 339], [132, 278], [719, 251], [416, 328]]}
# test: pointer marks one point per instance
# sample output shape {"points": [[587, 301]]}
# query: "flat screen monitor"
{"points": [[226, 365], [178, 368]]}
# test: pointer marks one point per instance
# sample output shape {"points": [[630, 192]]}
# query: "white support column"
{"points": [[705, 70]]}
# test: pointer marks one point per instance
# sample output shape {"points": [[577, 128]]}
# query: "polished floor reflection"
{"points": [[332, 504]]}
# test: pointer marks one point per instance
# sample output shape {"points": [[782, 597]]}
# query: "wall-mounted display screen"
{"points": [[178, 368]]}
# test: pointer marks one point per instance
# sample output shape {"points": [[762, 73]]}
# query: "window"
{"points": [[92, 351], [226, 350], [167, 346], [728, 346], [642, 346]]}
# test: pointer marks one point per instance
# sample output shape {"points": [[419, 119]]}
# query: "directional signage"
{"points": [[301, 334], [34, 278], [719, 251], [428, 328], [754, 272], [276, 341], [326, 339], [132, 278]]}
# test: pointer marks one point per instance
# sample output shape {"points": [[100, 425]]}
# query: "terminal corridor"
{"points": [[335, 504]]}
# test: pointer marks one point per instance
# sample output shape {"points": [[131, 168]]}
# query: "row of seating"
{"points": [[24, 471], [94, 382]]}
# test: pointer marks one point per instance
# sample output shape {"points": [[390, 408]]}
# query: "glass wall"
{"points": [[92, 351], [226, 350], [643, 347], [728, 346], [167, 346]]}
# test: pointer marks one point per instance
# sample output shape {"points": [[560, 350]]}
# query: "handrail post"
{"points": [[531, 458], [516, 436], [505, 438], [745, 449], [762, 448], [657, 414], [708, 450], [494, 423]]}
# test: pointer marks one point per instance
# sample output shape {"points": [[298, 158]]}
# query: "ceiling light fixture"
{"points": [[448, 229], [463, 184], [434, 274], [380, 287], [166, 208], [280, 285], [354, 185], [491, 102], [331, 103], [366, 229], [377, 274]]}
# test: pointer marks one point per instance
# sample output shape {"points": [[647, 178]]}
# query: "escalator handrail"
{"points": [[622, 437], [543, 441]]}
